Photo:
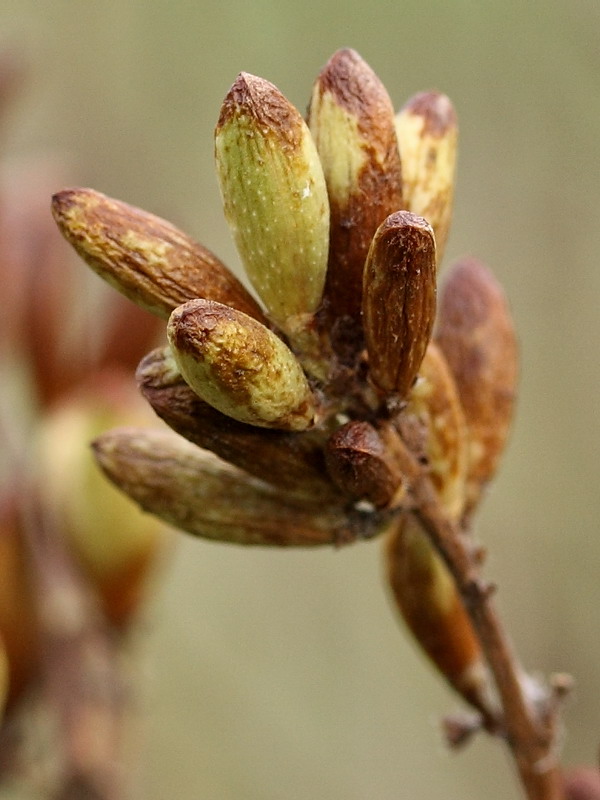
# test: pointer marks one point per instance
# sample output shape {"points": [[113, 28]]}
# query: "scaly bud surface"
{"points": [[399, 300], [476, 335], [146, 258], [351, 118], [240, 367], [292, 461], [427, 136], [198, 493], [275, 199]]}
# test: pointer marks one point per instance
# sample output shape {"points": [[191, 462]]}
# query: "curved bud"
{"points": [[292, 461], [275, 199], [427, 598], [427, 135], [240, 367], [351, 118], [434, 401], [399, 300], [197, 492], [358, 463], [476, 335], [146, 258]]}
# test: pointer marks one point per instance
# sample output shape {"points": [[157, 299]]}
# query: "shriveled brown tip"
{"points": [[198, 493], [360, 466], [292, 461], [476, 335], [399, 300], [240, 367], [143, 256], [581, 783], [351, 118]]}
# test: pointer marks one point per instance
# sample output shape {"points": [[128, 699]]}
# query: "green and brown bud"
{"points": [[476, 335], [361, 467], [427, 136], [435, 403], [275, 199], [426, 596], [146, 258], [197, 492], [292, 461], [399, 301], [240, 367], [351, 118]]}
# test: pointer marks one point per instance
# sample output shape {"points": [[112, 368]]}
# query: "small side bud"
{"points": [[427, 135], [144, 257], [351, 118], [292, 461], [358, 463], [476, 335], [198, 493], [399, 300], [275, 199], [427, 598], [434, 402], [240, 367]]}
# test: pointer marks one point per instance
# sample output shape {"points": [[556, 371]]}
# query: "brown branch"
{"points": [[531, 727]]}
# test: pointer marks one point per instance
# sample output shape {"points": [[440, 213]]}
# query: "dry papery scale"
{"points": [[342, 408]]}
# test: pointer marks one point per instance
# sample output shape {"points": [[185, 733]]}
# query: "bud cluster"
{"points": [[308, 399]]}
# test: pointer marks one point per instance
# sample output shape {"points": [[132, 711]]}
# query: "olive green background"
{"points": [[283, 675]]}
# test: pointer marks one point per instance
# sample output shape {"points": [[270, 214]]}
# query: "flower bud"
{"points": [[399, 300], [146, 258], [428, 600], [292, 461], [434, 402], [476, 335], [197, 492], [352, 121], [240, 367], [360, 466], [275, 199], [427, 133], [114, 544]]}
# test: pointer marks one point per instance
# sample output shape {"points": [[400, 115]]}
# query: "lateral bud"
{"points": [[358, 463], [476, 335], [427, 136], [240, 367], [399, 301], [197, 492], [292, 461], [144, 257], [275, 199]]}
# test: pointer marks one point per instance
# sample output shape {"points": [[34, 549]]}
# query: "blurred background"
{"points": [[284, 675]]}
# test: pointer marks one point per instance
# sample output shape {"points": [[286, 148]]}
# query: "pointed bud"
{"points": [[427, 134], [476, 335], [427, 598], [197, 492], [292, 461], [399, 300], [351, 118], [274, 198], [358, 463], [240, 367], [146, 258], [434, 402]]}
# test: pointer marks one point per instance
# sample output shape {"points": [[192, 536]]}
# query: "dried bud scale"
{"points": [[143, 256]]}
